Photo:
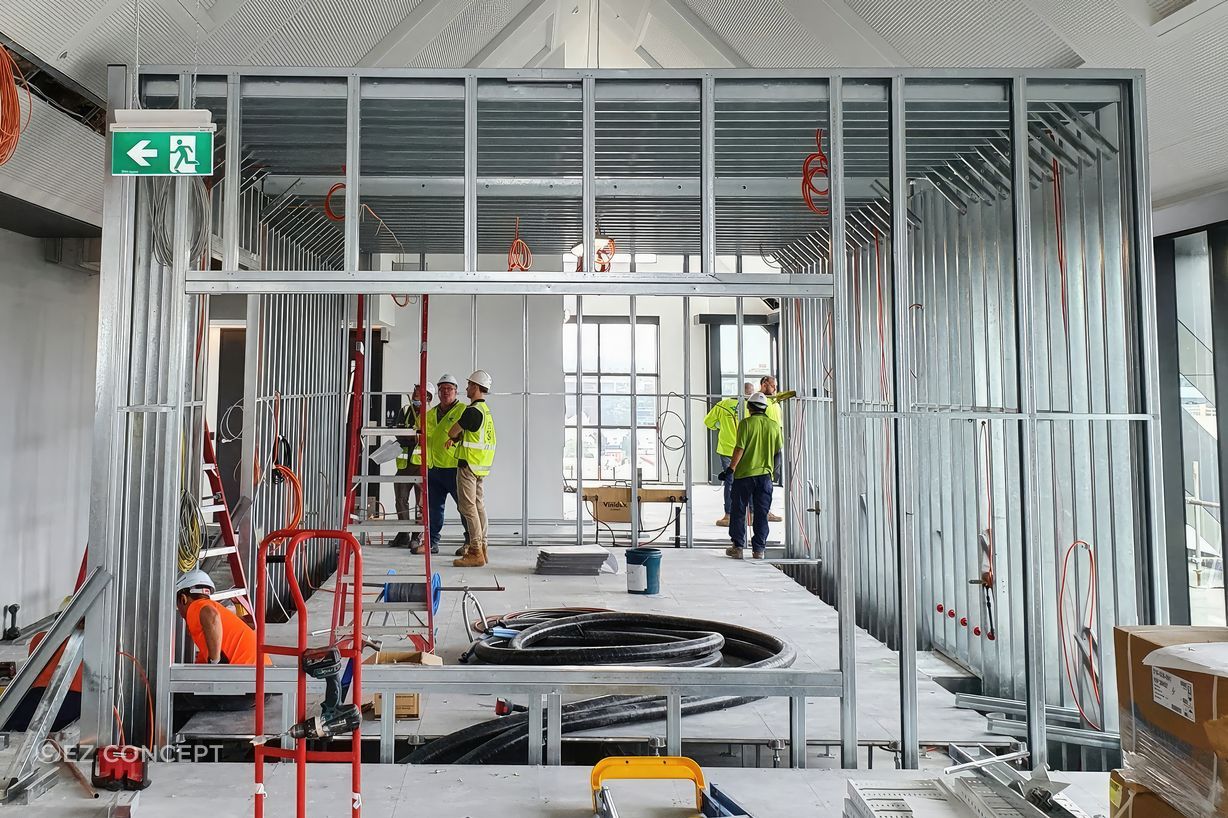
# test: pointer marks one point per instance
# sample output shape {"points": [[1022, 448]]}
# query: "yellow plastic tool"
{"points": [[647, 768], [781, 397]]}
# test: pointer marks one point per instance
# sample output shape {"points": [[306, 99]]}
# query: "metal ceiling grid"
{"points": [[412, 137], [296, 136], [763, 32], [647, 129], [940, 33]]}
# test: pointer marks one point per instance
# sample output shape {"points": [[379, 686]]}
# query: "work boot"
{"points": [[460, 552], [733, 551], [418, 548], [723, 522], [758, 555], [485, 554], [473, 558], [399, 541], [774, 518]]}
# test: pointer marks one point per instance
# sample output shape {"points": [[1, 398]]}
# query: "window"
{"points": [[605, 404]]}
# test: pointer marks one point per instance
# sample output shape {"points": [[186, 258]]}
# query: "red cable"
{"points": [[1061, 627], [11, 126], [329, 213], [816, 167]]}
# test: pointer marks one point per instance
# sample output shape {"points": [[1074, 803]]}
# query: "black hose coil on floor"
{"points": [[556, 637]]}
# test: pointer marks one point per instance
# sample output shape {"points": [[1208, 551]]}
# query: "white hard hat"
{"points": [[481, 377], [429, 390], [448, 377], [195, 578], [758, 399]]}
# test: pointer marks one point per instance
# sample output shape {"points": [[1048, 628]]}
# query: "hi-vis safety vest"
{"points": [[437, 455], [478, 448]]}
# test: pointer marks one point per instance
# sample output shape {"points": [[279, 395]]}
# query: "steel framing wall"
{"points": [[958, 387]]}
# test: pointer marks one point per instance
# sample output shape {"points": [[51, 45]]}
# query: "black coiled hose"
{"points": [[604, 639]]}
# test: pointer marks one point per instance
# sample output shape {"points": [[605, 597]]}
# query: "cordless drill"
{"points": [[335, 718]]}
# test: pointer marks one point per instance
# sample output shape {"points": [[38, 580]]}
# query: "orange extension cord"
{"points": [[816, 167], [11, 126], [519, 256]]}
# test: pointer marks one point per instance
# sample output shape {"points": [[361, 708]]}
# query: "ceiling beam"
{"points": [[844, 32], [412, 35], [1191, 19], [696, 34], [532, 16]]}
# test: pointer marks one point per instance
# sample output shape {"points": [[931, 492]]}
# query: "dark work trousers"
{"points": [[728, 482], [440, 485], [755, 493], [403, 491]]}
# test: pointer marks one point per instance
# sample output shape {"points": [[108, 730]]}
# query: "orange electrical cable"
{"points": [[1061, 627], [148, 696], [519, 256], [816, 167], [11, 125]]}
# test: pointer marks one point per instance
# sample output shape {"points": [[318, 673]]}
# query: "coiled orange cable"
{"points": [[11, 125], [519, 256], [816, 167]]}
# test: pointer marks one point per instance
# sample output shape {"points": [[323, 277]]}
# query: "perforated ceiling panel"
{"points": [[325, 32], [464, 37], [972, 33], [763, 32], [65, 178]]}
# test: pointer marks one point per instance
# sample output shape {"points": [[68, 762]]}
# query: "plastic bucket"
{"points": [[643, 570]]}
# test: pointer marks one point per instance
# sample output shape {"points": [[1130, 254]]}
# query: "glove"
{"points": [[724, 475]]}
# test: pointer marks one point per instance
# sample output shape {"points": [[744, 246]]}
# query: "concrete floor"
{"points": [[399, 791], [699, 583]]}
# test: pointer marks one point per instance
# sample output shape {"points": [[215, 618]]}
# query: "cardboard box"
{"points": [[1174, 713], [408, 705], [1130, 799], [613, 503]]}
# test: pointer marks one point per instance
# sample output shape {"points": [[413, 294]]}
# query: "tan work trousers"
{"points": [[471, 504]]}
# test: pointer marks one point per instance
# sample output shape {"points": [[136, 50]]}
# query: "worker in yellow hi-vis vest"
{"points": [[767, 386], [441, 461], [474, 438], [409, 464], [723, 419]]}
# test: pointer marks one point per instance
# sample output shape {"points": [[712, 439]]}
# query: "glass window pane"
{"points": [[756, 352], [645, 347], [615, 411], [646, 446], [591, 471], [615, 454], [615, 347], [569, 347], [646, 401], [589, 353]]}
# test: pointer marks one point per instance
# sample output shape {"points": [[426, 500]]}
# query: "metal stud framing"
{"points": [[970, 331]]}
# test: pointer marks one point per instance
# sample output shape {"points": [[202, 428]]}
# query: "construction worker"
{"points": [[442, 461], [409, 464], [69, 711], [767, 385], [220, 636], [758, 444], [723, 419], [474, 438]]}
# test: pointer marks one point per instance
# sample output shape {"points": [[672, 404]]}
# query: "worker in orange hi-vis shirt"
{"points": [[220, 636]]}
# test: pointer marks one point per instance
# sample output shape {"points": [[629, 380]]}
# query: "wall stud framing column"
{"points": [[1033, 569], [110, 428], [635, 438], [906, 556], [580, 419], [846, 528], [688, 486], [589, 186], [524, 423]]}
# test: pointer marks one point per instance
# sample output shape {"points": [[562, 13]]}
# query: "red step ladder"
{"points": [[216, 504]]}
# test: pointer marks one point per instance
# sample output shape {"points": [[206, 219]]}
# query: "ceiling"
{"points": [[1183, 44]]}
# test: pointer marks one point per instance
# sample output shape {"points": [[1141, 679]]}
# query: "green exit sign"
{"points": [[161, 153]]}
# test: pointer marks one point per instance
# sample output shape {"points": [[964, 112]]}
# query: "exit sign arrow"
{"points": [[141, 153]]}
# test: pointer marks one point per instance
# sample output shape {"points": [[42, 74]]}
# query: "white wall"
{"points": [[48, 337]]}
